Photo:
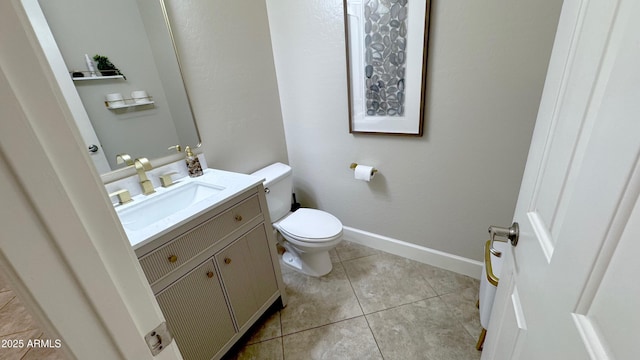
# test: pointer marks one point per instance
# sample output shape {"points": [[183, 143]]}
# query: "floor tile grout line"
{"points": [[429, 283], [352, 288], [358, 257], [38, 337], [410, 303], [473, 339], [281, 332], [363, 313], [342, 263], [20, 332], [393, 307], [374, 336], [25, 354], [459, 289], [10, 300], [401, 305], [319, 326], [377, 252], [458, 320], [397, 306], [332, 323]]}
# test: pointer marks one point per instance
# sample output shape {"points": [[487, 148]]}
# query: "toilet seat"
{"points": [[311, 225]]}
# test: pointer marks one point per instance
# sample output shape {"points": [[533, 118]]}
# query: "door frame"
{"points": [[63, 249]]}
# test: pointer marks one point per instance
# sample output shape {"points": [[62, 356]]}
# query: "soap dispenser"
{"points": [[193, 164]]}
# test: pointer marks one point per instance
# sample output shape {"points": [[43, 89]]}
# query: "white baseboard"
{"points": [[455, 263]]}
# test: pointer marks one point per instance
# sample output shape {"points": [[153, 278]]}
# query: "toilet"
{"points": [[307, 235]]}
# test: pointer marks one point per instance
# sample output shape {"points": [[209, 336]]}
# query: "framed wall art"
{"points": [[386, 65]]}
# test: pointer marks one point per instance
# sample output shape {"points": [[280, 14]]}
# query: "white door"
{"points": [[571, 287]]}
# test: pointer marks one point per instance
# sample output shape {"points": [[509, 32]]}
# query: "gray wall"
{"points": [[487, 64], [225, 50]]}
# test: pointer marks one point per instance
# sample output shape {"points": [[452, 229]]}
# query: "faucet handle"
{"points": [[177, 147], [142, 164], [124, 159], [166, 180], [123, 196]]}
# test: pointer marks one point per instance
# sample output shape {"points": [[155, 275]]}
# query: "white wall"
{"points": [[225, 50], [486, 68]]}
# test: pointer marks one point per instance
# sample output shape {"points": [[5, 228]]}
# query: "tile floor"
{"points": [[17, 324], [373, 305]]}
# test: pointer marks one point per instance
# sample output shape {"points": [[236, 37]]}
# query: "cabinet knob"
{"points": [[227, 260], [209, 274], [238, 217], [173, 258]]}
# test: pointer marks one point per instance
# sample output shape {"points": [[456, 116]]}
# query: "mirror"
{"points": [[135, 36]]}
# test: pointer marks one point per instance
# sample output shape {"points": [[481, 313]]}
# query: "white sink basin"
{"points": [[137, 216], [147, 218]]}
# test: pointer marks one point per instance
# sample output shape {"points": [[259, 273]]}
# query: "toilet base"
{"points": [[313, 264]]}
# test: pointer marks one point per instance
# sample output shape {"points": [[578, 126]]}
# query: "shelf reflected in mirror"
{"points": [[136, 37]]}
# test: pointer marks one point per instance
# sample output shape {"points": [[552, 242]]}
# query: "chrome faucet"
{"points": [[142, 165]]}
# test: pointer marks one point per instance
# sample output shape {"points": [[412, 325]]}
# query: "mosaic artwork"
{"points": [[386, 43], [385, 40]]}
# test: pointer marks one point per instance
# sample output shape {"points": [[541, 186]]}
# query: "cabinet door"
{"points": [[247, 273], [197, 313], [183, 248]]}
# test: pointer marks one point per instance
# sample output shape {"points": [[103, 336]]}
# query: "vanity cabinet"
{"points": [[196, 311], [216, 275], [248, 274]]}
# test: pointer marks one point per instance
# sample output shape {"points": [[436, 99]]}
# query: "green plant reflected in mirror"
{"points": [[134, 35]]}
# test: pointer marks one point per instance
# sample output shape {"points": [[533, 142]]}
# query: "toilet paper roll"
{"points": [[364, 172]]}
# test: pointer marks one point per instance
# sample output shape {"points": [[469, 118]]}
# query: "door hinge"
{"points": [[159, 338]]}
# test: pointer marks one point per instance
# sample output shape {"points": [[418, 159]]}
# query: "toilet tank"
{"points": [[279, 181]]}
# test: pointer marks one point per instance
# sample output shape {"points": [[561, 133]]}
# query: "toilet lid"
{"points": [[311, 224]]}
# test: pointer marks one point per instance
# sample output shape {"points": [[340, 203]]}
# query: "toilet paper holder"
{"points": [[353, 167]]}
